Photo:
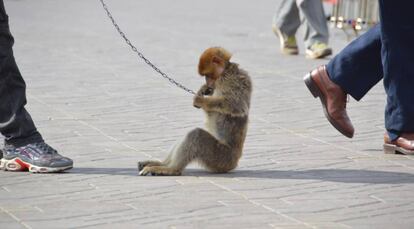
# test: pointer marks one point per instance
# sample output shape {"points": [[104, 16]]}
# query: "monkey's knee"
{"points": [[197, 133], [200, 139]]}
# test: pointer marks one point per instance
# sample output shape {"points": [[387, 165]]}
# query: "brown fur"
{"points": [[220, 146], [205, 65]]}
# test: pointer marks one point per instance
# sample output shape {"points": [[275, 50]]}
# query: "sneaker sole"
{"points": [[16, 164]]}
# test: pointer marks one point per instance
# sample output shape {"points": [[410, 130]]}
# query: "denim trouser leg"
{"points": [[15, 123], [397, 36], [358, 67]]}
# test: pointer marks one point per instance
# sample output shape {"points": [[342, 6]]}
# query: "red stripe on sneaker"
{"points": [[22, 164]]}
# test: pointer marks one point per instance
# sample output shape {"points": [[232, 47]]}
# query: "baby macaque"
{"points": [[225, 98]]}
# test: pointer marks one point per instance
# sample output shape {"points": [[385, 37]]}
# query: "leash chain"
{"points": [[140, 54]]}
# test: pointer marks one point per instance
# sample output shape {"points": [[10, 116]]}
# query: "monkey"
{"points": [[225, 99]]}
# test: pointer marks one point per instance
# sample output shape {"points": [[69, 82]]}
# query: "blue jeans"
{"points": [[16, 125], [384, 52]]}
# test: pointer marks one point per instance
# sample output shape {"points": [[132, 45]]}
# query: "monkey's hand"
{"points": [[205, 90], [198, 101]]}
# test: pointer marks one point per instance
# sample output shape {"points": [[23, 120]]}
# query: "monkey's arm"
{"points": [[221, 105]]}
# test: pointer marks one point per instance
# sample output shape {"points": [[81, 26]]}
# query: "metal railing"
{"points": [[354, 15]]}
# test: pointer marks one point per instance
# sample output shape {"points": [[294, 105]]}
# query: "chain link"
{"points": [[140, 54]]}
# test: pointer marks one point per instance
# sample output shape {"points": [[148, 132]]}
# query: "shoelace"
{"points": [[45, 148]]}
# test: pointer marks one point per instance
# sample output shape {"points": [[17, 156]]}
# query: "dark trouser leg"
{"points": [[397, 36], [15, 123], [358, 67]]}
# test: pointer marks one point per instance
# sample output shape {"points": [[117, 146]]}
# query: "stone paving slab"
{"points": [[96, 103]]}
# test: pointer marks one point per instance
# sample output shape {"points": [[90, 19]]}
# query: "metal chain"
{"points": [[140, 54]]}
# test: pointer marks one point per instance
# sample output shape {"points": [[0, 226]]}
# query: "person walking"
{"points": [[287, 21]]}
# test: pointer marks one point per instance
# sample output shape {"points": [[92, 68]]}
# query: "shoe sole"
{"points": [[315, 91], [282, 45], [393, 149], [324, 53], [16, 164]]}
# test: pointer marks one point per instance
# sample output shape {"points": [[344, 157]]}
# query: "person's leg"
{"points": [[24, 147], [357, 68], [287, 18], [397, 36], [285, 25], [317, 28], [317, 33], [15, 123]]}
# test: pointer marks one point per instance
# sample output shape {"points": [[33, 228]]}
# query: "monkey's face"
{"points": [[215, 73], [210, 80], [212, 64], [210, 83]]}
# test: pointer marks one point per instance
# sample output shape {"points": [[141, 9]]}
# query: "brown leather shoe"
{"points": [[404, 144], [333, 100]]}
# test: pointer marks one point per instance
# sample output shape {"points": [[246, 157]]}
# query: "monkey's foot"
{"points": [[142, 164], [159, 171]]}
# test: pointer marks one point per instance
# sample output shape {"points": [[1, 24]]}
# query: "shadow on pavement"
{"points": [[333, 175]]}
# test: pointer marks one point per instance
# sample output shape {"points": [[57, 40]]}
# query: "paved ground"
{"points": [[97, 104]]}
